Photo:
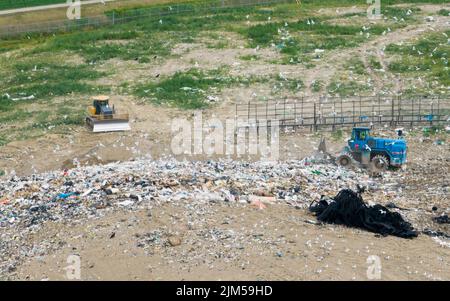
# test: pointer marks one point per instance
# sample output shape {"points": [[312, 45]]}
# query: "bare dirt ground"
{"points": [[291, 247]]}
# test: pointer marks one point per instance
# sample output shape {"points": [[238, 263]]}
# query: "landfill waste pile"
{"points": [[29, 201], [75, 196], [348, 208]]}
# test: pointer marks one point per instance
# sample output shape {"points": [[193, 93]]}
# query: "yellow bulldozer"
{"points": [[101, 117]]}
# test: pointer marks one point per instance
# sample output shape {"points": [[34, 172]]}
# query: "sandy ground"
{"points": [[291, 249]]}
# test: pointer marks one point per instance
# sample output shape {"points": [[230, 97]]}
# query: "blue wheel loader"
{"points": [[378, 153]]}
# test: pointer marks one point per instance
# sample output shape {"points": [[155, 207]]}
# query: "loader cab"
{"points": [[101, 105], [359, 139]]}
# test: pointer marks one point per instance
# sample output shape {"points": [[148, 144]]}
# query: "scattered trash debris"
{"points": [[31, 97], [258, 204], [125, 203], [441, 242], [262, 199], [63, 196], [442, 219], [434, 233]]}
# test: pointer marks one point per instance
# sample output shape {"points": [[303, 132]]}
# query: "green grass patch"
{"points": [[317, 86], [218, 45], [374, 63], [12, 4], [334, 3], [190, 89], [15, 115], [347, 88], [46, 122], [400, 13], [428, 56], [444, 12], [100, 45], [307, 37], [290, 84], [249, 57], [356, 65], [337, 135], [44, 80], [3, 140], [5, 103], [186, 90], [432, 130]]}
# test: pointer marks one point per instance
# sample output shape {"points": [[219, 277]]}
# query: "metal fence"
{"points": [[333, 112], [122, 16]]}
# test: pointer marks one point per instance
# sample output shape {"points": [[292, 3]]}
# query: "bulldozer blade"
{"points": [[111, 126]]}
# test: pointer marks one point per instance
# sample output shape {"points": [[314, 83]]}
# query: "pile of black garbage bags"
{"points": [[348, 208]]}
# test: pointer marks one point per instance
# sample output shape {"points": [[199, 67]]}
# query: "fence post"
{"points": [[392, 110], [439, 108], [302, 111], [379, 109], [267, 110], [353, 114], [373, 114], [334, 116], [295, 113], [360, 107], [432, 113], [113, 17], [256, 118], [315, 122], [420, 110]]}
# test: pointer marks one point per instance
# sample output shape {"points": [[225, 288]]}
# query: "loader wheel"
{"points": [[380, 163], [344, 160]]}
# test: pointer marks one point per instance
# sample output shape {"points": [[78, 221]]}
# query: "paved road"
{"points": [[45, 7]]}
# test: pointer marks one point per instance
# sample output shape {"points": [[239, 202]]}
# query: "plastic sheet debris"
{"points": [[258, 204], [126, 203], [262, 199], [442, 219], [441, 242], [63, 196], [348, 208]]}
